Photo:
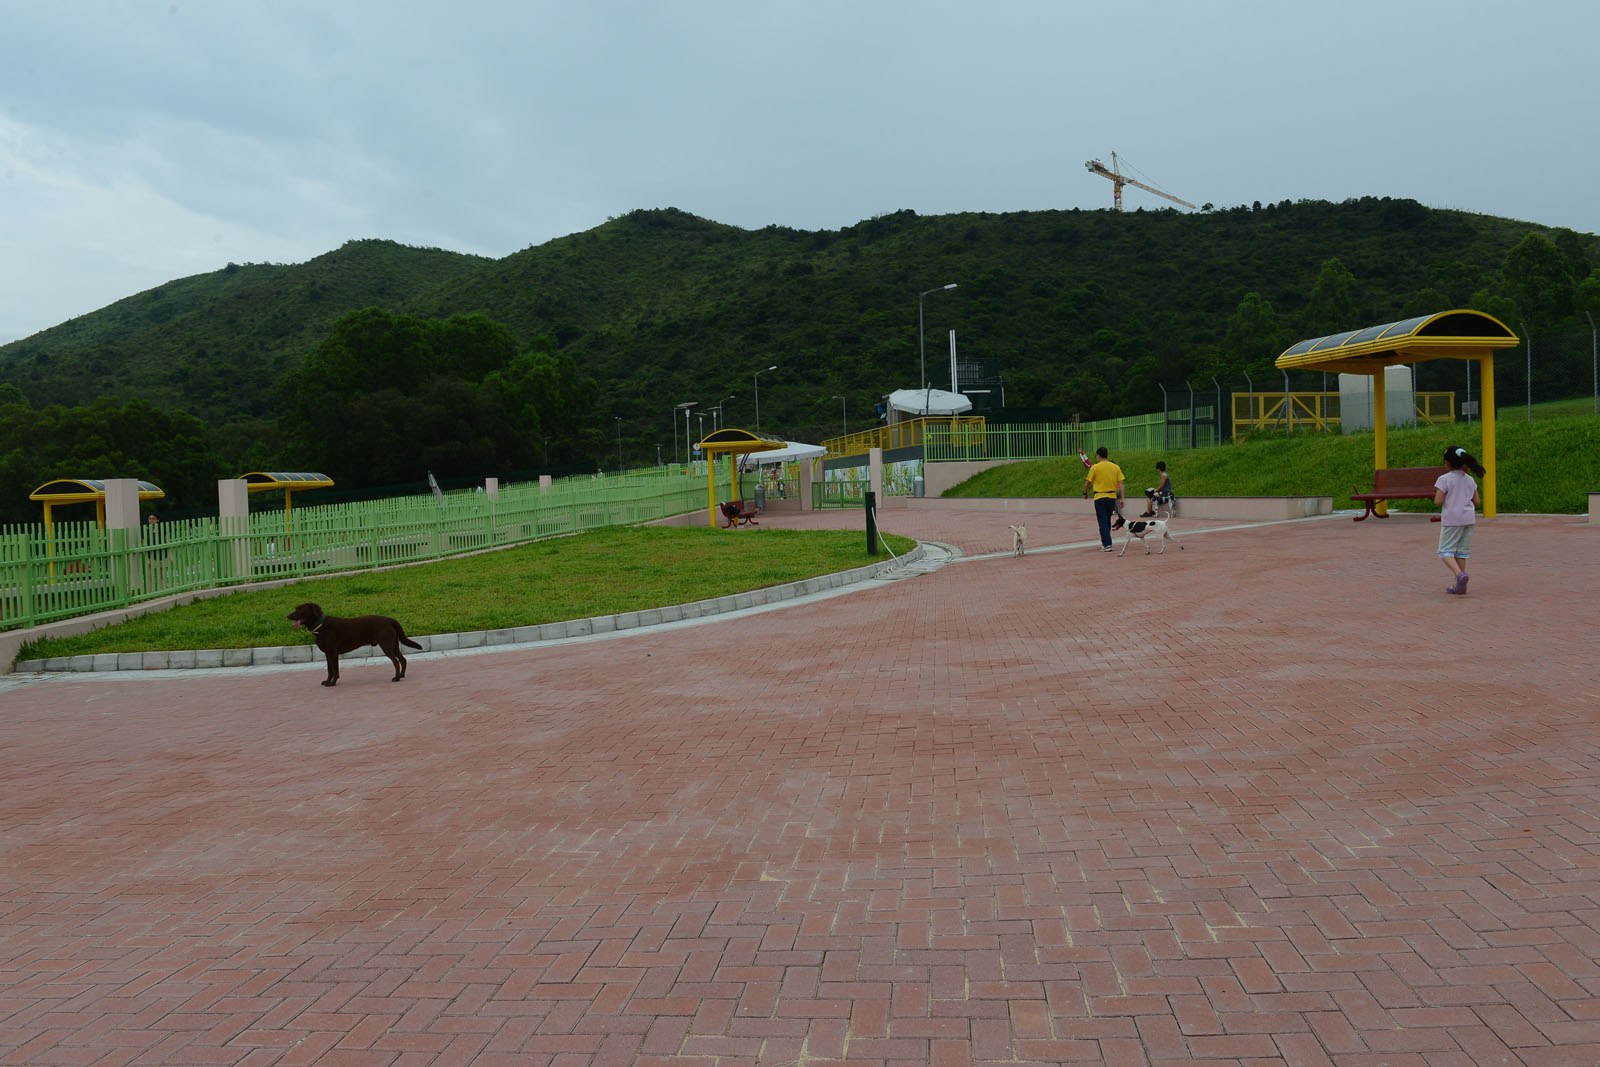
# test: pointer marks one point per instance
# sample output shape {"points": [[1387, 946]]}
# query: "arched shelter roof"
{"points": [[83, 490], [1459, 334], [256, 481], [739, 442]]}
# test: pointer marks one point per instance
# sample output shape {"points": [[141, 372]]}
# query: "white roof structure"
{"points": [[928, 402], [792, 450]]}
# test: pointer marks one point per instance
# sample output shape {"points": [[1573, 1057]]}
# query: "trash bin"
{"points": [[917, 487], [761, 498]]}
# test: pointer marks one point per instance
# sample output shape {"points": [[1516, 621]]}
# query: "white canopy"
{"points": [[928, 402], [791, 451]]}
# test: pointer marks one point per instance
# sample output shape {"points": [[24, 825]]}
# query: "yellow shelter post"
{"points": [[1486, 403]]}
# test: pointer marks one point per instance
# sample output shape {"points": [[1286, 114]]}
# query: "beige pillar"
{"points": [[233, 523], [122, 514], [808, 475], [491, 487], [544, 482], [875, 473]]}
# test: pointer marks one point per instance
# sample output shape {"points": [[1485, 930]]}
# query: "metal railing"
{"points": [[907, 434], [75, 568], [1319, 412]]}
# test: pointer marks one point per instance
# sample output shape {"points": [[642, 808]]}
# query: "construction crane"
{"points": [[1118, 180]]}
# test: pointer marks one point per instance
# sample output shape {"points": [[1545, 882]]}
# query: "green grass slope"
{"points": [[1543, 466]]}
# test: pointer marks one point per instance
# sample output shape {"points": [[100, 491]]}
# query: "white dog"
{"points": [[1019, 540], [1142, 528]]}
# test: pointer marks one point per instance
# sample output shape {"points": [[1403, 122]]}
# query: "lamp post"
{"points": [[700, 419], [921, 348], [618, 420], [757, 380], [719, 421], [844, 412], [685, 406], [688, 447]]}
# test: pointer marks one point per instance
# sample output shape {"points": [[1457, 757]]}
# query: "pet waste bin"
{"points": [[917, 487], [761, 498]]}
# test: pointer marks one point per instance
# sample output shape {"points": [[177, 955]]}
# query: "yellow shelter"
{"points": [[1459, 334], [732, 443], [290, 482], [83, 491]]}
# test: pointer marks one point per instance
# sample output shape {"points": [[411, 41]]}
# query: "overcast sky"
{"points": [[142, 141]]}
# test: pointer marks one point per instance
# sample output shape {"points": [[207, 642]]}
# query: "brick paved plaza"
{"points": [[1273, 799]]}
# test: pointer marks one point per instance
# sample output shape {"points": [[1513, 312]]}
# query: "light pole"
{"points": [[719, 421], [618, 419], [844, 412], [921, 349], [757, 379], [700, 419], [686, 405]]}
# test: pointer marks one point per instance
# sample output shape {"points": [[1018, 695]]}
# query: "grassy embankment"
{"points": [[599, 573], [1547, 465]]}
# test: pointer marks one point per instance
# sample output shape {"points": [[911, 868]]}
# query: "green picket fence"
{"points": [[76, 568]]}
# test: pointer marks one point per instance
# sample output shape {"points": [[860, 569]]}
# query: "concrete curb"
{"points": [[277, 655]]}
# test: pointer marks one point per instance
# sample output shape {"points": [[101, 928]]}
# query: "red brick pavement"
{"points": [[1275, 799]]}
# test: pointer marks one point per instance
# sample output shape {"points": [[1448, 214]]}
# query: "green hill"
{"points": [[1090, 312]]}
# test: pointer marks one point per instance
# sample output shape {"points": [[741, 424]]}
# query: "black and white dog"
{"points": [[1142, 528]]}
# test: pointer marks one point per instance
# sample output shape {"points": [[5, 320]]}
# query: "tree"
{"points": [[1534, 277], [1333, 306], [1253, 338]]}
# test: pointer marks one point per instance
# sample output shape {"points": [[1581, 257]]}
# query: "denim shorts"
{"points": [[1455, 541]]}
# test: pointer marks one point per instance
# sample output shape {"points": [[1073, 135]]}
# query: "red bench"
{"points": [[1398, 483], [737, 514]]}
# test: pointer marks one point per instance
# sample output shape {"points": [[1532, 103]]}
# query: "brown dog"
{"points": [[335, 636]]}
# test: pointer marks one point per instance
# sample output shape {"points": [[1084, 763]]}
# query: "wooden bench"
{"points": [[1398, 483], [738, 514]]}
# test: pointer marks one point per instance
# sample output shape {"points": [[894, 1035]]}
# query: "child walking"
{"points": [[1456, 493]]}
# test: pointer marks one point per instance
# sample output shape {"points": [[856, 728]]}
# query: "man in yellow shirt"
{"points": [[1106, 482]]}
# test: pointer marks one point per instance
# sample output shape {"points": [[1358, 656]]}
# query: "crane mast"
{"points": [[1118, 180]]}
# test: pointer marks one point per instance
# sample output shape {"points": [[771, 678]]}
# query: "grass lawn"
{"points": [[598, 573], [1543, 466]]}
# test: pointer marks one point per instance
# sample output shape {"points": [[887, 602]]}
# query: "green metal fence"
{"points": [[71, 569], [1047, 440]]}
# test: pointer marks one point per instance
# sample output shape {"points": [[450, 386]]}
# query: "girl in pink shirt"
{"points": [[1457, 496]]}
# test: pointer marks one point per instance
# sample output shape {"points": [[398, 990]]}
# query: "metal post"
{"points": [[871, 501], [1164, 416], [1530, 377], [1191, 411], [1251, 386], [1594, 338], [1216, 414], [1288, 406]]}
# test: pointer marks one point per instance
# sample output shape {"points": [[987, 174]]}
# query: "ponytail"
{"points": [[1458, 457]]}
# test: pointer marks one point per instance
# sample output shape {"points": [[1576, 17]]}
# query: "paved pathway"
{"points": [[1273, 799]]}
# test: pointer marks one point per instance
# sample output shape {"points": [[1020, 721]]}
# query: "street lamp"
{"points": [[844, 412], [921, 349], [618, 419], [686, 405], [757, 379], [719, 420]]}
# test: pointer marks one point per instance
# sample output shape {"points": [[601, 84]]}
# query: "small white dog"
{"points": [[1142, 528], [1019, 540]]}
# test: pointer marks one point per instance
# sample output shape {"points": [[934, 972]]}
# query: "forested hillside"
{"points": [[605, 331]]}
